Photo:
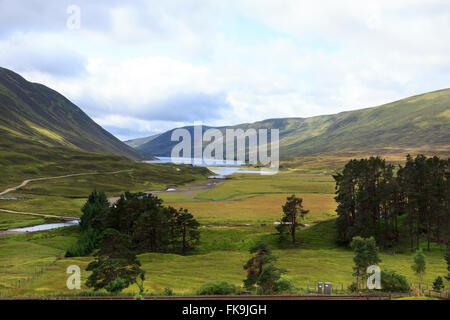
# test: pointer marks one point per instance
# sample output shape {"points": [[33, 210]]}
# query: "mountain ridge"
{"points": [[419, 121], [31, 111]]}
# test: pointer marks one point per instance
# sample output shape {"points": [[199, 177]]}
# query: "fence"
{"points": [[21, 283], [438, 294], [341, 288]]}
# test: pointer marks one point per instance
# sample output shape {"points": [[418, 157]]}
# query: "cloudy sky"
{"points": [[142, 67]]}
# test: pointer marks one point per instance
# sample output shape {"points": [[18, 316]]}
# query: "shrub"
{"points": [[217, 288], [284, 285], [168, 291], [438, 284], [117, 285], [352, 287], [391, 281]]}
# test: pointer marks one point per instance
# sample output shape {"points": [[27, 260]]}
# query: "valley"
{"points": [[234, 214], [53, 156]]}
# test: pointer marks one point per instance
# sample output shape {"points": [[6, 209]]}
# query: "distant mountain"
{"points": [[134, 143], [33, 114], [418, 122]]}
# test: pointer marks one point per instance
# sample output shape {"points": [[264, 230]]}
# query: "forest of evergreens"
{"points": [[398, 206], [151, 226]]}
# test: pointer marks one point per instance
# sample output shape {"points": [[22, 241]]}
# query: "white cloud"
{"points": [[147, 65]]}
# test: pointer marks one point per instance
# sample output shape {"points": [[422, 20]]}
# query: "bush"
{"points": [[117, 285], [168, 291], [352, 287], [284, 285], [438, 284], [217, 288], [391, 281]]}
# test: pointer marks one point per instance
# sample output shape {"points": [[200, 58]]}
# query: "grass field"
{"points": [[257, 199], [258, 209], [220, 256], [66, 196], [245, 199], [11, 220]]}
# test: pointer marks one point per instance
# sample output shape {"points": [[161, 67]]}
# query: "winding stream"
{"points": [[40, 227]]}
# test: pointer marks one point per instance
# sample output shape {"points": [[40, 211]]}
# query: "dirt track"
{"points": [[186, 190], [41, 215], [25, 182]]}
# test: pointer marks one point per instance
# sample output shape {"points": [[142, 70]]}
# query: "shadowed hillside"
{"points": [[31, 113]]}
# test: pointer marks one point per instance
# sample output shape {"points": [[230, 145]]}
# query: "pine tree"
{"points": [[188, 230], [116, 265], [92, 224], [371, 199], [366, 254], [293, 211], [263, 256]]}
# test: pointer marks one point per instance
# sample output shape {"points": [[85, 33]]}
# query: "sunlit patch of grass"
{"points": [[264, 208], [52, 205], [258, 184]]}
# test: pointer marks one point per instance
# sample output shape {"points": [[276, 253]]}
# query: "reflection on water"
{"points": [[224, 171], [220, 167], [47, 226], [197, 161]]}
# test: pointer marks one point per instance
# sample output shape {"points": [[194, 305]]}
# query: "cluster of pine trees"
{"points": [[395, 205], [151, 226]]}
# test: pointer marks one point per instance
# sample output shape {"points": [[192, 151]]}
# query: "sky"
{"points": [[140, 68]]}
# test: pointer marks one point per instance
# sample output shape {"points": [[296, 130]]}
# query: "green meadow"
{"points": [[65, 196], [234, 214], [11, 220]]}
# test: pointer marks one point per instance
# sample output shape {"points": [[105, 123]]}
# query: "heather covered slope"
{"points": [[33, 114], [420, 122]]}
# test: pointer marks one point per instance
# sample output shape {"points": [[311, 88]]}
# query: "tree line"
{"points": [[136, 223], [395, 204], [150, 226]]}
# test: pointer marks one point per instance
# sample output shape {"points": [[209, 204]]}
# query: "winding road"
{"points": [[188, 190], [25, 182]]}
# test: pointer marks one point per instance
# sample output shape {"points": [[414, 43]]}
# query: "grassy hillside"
{"points": [[134, 143], [32, 114], [42, 134], [419, 123]]}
